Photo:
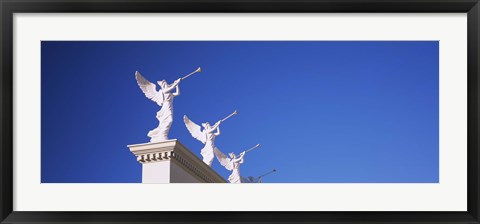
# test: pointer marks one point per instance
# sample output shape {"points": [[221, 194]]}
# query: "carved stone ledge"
{"points": [[173, 151], [154, 157]]}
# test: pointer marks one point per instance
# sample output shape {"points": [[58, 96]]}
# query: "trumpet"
{"points": [[198, 70], [254, 147], [234, 112]]}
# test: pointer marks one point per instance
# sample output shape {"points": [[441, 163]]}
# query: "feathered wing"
{"points": [[223, 159], [149, 89], [195, 130]]}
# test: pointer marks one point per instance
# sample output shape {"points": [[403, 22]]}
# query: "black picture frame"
{"points": [[9, 7]]}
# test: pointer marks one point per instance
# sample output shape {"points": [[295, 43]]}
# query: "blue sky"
{"points": [[324, 111]]}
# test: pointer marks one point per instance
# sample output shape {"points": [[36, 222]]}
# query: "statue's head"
{"points": [[206, 125], [232, 155], [163, 84]]}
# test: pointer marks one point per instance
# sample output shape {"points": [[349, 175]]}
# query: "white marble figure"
{"points": [[164, 98], [231, 164], [251, 179], [258, 179], [207, 137]]}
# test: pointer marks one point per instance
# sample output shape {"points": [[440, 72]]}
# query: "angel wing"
{"points": [[223, 159], [195, 130], [249, 179], [149, 89], [246, 180]]}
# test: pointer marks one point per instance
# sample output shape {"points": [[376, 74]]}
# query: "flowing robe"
{"points": [[235, 176], [207, 150], [165, 119]]}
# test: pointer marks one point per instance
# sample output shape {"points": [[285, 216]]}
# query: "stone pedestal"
{"points": [[171, 162]]}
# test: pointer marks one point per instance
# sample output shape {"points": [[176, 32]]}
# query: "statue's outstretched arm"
{"points": [[168, 89], [242, 154], [216, 125], [177, 91], [240, 158], [174, 85], [213, 128], [218, 131]]}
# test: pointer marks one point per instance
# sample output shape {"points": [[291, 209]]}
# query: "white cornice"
{"points": [[173, 150]]}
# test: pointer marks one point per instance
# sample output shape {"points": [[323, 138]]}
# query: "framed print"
{"points": [[215, 111]]}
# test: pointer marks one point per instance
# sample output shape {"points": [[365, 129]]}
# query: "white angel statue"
{"points": [[164, 98], [232, 164], [258, 179], [250, 179], [205, 136]]}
